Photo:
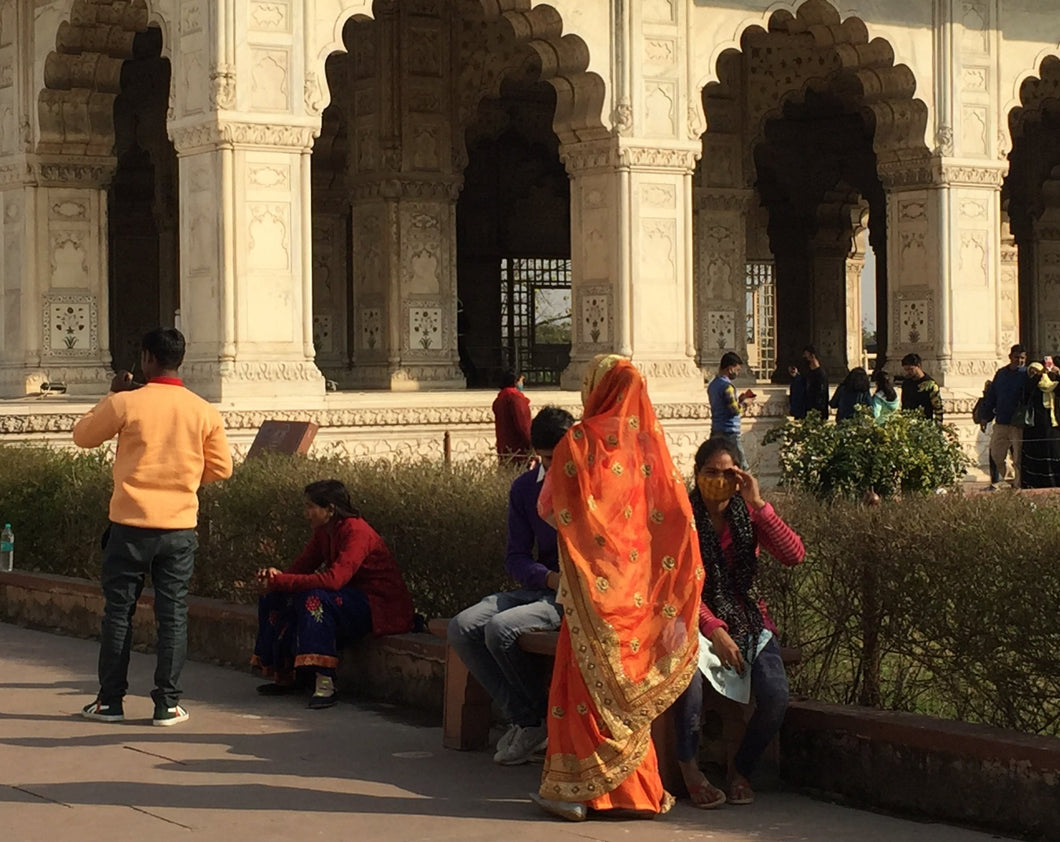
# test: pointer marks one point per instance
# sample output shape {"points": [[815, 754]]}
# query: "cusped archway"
{"points": [[804, 118]]}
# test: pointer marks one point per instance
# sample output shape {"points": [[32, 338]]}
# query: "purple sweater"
{"points": [[525, 527]]}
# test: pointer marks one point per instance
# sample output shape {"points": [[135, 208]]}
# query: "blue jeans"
{"points": [[129, 555], [769, 687], [733, 440], [485, 637]]}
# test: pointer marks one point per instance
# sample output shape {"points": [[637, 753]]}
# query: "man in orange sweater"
{"points": [[170, 441]]}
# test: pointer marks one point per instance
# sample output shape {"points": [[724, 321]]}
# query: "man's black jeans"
{"points": [[130, 554]]}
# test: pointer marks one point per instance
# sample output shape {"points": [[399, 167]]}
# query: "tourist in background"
{"points": [[885, 398], [170, 442], [1040, 445], [816, 382], [851, 393], [1000, 401], [486, 635], [511, 420], [919, 391], [630, 577], [344, 585], [726, 407], [739, 652]]}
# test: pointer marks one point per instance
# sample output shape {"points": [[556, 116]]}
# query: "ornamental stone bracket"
{"points": [[937, 171], [622, 152], [198, 137], [59, 171]]}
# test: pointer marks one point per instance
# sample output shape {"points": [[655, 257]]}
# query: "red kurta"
{"points": [[511, 419], [350, 552]]}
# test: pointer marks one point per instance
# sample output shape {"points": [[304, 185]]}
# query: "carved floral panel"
{"points": [[371, 319], [323, 340], [720, 330], [70, 325], [595, 317], [425, 328], [913, 321]]}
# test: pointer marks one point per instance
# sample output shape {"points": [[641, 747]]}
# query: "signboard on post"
{"points": [[283, 437]]}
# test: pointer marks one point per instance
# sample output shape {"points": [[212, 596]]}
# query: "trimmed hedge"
{"points": [[939, 604]]}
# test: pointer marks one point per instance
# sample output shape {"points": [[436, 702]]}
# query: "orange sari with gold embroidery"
{"points": [[630, 582]]}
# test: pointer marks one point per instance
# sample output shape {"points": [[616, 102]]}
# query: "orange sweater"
{"points": [[170, 441]]}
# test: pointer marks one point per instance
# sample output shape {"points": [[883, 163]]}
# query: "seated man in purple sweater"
{"points": [[485, 635]]}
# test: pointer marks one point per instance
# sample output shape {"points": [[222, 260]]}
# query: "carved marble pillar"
{"points": [[855, 266], [631, 260], [828, 274], [720, 267], [1008, 306], [1045, 337], [944, 249], [243, 140], [596, 255], [246, 275], [55, 276], [944, 263], [331, 307], [403, 162], [837, 257]]}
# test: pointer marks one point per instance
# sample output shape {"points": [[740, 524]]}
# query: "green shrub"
{"points": [[906, 454], [447, 526], [938, 604], [56, 502]]}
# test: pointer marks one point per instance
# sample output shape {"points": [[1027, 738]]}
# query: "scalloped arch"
{"points": [[564, 59], [82, 75], [1034, 91], [843, 62]]}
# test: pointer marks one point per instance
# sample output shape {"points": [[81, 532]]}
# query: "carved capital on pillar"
{"points": [[20, 172], [950, 172], [682, 158], [446, 189], [589, 156], [724, 199], [906, 173], [71, 171], [199, 137], [940, 172]]}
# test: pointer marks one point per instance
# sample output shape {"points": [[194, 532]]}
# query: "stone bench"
{"points": [[466, 715]]}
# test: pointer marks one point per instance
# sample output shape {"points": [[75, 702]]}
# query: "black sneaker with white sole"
{"points": [[111, 712], [165, 716]]}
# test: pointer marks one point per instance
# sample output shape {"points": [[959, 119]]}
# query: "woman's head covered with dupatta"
{"points": [[631, 561]]}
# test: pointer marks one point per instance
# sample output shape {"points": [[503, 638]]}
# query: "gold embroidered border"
{"points": [[570, 778], [641, 702]]}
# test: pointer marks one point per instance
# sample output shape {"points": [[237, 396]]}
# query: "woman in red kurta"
{"points": [[345, 584], [511, 420]]}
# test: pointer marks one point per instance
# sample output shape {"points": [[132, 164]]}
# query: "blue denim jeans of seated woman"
{"points": [[769, 688]]}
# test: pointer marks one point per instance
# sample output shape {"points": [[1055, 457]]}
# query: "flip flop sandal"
{"points": [[706, 797], [741, 794]]}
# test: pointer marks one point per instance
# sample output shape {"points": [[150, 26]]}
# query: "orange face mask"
{"points": [[716, 488]]}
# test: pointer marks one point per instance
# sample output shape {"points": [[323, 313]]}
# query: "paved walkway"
{"points": [[249, 768]]}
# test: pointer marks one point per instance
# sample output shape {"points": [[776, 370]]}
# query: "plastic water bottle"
{"points": [[7, 548]]}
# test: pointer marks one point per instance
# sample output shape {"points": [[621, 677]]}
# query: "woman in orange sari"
{"points": [[630, 579]]}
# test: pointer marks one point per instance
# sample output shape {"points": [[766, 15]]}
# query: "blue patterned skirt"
{"points": [[306, 629]]}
